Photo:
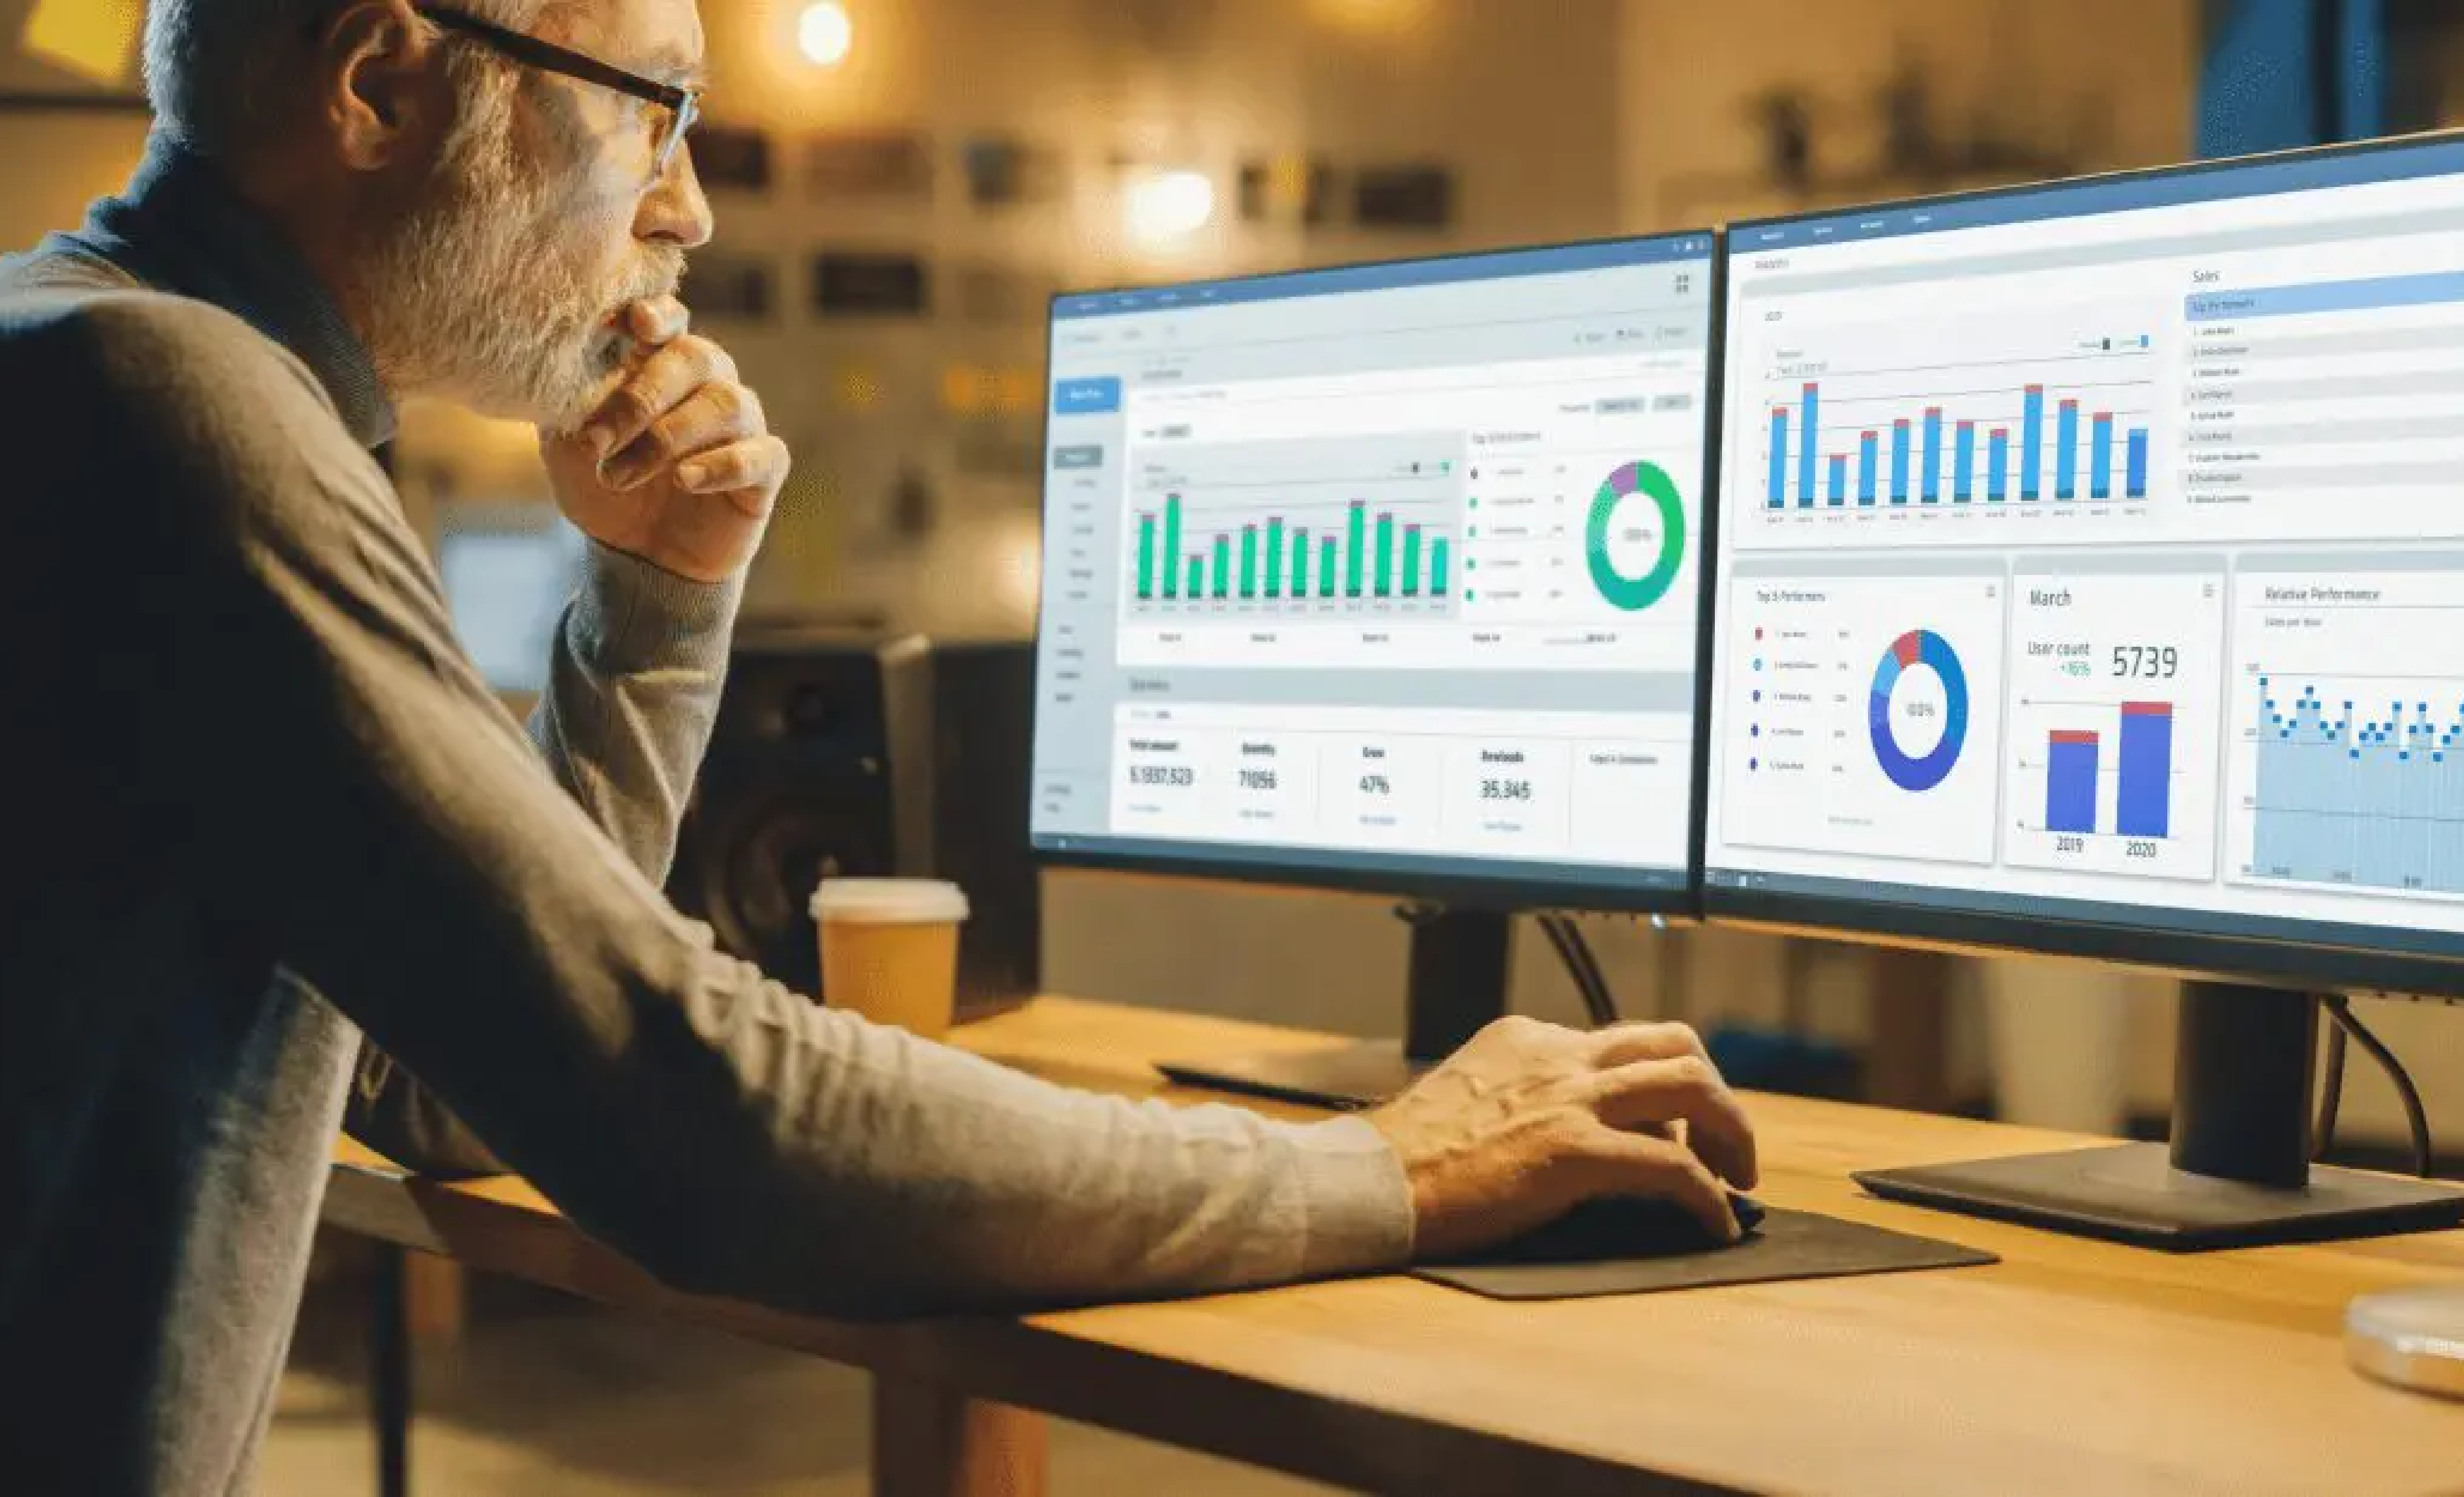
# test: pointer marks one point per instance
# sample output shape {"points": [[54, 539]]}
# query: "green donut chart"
{"points": [[1637, 479]]}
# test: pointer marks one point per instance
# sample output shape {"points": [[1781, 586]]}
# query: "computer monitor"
{"points": [[1385, 577], [508, 570], [2090, 560]]}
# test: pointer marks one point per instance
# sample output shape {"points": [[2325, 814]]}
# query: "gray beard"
{"points": [[461, 304]]}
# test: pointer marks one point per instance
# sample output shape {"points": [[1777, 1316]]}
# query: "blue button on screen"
{"points": [[1097, 396]]}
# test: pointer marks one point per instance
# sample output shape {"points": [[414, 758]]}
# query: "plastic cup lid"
{"points": [[888, 901]]}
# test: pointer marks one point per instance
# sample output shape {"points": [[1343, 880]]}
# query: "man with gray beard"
{"points": [[264, 805]]}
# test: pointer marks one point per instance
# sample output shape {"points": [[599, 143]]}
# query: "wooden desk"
{"points": [[2072, 1367]]}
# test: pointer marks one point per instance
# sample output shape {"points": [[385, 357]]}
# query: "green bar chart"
{"points": [[1372, 555], [1171, 547], [1356, 549], [1305, 527]]}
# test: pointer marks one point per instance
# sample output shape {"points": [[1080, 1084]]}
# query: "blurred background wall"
{"points": [[901, 184]]}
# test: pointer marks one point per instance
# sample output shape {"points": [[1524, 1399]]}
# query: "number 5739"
{"points": [[2147, 662]]}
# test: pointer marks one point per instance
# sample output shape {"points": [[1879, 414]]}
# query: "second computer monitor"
{"points": [[1386, 575], [2092, 569]]}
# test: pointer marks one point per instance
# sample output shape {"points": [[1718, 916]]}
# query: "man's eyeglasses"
{"points": [[683, 106]]}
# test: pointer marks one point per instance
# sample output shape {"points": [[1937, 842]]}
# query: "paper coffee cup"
{"points": [[889, 950]]}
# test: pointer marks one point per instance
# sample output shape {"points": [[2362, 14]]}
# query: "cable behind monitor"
{"points": [[1583, 966], [2340, 1009]]}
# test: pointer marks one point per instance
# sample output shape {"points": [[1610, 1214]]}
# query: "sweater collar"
{"points": [[183, 227]]}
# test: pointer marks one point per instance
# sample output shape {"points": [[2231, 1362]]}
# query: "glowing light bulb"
{"points": [[824, 34], [1165, 206]]}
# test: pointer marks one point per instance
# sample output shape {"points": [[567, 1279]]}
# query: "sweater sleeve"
{"points": [[633, 690], [639, 660], [394, 837]]}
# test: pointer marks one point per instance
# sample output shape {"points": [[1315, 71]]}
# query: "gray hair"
{"points": [[209, 63]]}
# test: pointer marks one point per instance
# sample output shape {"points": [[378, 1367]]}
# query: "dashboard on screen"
{"points": [[2097, 551], [1388, 570]]}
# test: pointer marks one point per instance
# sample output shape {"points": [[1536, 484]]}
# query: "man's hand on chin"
{"points": [[678, 467]]}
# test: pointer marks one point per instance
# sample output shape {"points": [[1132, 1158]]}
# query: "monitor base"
{"points": [[2133, 1194], [1455, 976], [1348, 1079]]}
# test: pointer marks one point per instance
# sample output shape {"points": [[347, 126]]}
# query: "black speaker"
{"points": [[858, 757]]}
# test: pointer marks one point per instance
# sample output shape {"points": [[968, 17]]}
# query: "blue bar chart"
{"points": [[2144, 783], [1806, 421], [1811, 406], [1930, 424], [2070, 781], [2031, 438], [1933, 455], [1931, 486], [2066, 452], [1779, 459], [2116, 715], [2144, 802]]}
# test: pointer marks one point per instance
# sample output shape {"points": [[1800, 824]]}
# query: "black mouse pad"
{"points": [[1790, 1244]]}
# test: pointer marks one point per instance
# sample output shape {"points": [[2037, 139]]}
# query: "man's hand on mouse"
{"points": [[1530, 1119], [678, 467]]}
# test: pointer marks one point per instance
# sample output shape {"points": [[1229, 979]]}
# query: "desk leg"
{"points": [[1908, 1058], [390, 1371], [930, 1443], [434, 1300]]}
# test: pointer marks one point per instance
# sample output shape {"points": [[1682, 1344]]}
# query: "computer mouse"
{"points": [[1607, 1228], [1748, 1211]]}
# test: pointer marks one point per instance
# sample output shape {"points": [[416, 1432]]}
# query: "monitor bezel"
{"points": [[1509, 889], [2282, 956]]}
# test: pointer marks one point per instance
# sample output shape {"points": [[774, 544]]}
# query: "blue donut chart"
{"points": [[1918, 647]]}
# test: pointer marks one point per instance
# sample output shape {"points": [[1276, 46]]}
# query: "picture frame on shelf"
{"points": [[727, 286], [732, 159], [1410, 196], [1002, 171], [874, 284], [876, 166]]}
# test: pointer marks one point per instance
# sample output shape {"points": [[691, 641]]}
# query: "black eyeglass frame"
{"points": [[683, 104]]}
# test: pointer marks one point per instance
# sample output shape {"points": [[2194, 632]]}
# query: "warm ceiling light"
{"points": [[1378, 18], [824, 34], [1165, 206]]}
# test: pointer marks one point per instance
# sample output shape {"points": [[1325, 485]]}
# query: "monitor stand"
{"points": [[2237, 1173], [1456, 985]]}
